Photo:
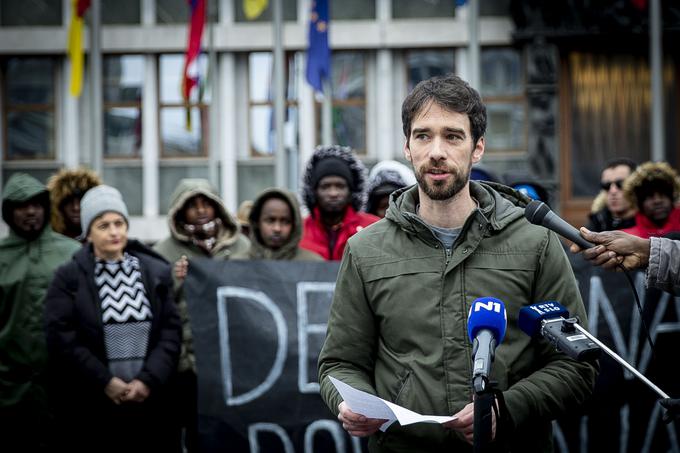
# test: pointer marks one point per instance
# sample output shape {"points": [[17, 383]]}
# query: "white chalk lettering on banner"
{"points": [[305, 329], [256, 428], [224, 295]]}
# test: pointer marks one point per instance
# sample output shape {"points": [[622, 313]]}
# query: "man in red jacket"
{"points": [[334, 191]]}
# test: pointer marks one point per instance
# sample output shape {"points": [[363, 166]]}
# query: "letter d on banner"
{"points": [[224, 293]]}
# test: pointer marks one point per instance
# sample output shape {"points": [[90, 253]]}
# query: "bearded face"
{"points": [[440, 181]]}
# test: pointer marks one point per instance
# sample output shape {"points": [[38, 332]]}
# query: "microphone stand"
{"points": [[482, 424], [618, 358]]}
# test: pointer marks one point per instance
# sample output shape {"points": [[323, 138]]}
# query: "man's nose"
{"points": [[438, 149]]}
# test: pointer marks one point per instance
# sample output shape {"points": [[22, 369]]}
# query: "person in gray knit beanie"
{"points": [[97, 201]]}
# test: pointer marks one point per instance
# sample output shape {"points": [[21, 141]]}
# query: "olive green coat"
{"points": [[230, 244], [398, 322], [26, 269]]}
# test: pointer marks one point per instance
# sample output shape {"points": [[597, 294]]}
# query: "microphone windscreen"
{"points": [[487, 313], [530, 317], [536, 211]]}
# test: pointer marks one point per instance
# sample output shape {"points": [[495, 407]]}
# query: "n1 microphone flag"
{"points": [[190, 77], [318, 52], [75, 45]]}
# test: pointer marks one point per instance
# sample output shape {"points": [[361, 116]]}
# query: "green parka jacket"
{"points": [[230, 244], [398, 322], [26, 269]]}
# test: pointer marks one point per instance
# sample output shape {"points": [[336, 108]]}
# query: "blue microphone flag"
{"points": [[487, 313], [530, 317]]}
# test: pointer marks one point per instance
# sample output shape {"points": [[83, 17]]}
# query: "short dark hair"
{"points": [[617, 162], [451, 93]]}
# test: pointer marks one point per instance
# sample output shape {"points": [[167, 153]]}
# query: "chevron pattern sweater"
{"points": [[126, 315]]}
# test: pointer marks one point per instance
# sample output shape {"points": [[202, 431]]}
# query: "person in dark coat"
{"points": [[29, 255], [113, 337]]}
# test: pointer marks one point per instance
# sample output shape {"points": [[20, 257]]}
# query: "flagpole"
{"points": [[656, 62], [327, 114], [279, 96], [96, 104], [473, 44], [213, 148]]}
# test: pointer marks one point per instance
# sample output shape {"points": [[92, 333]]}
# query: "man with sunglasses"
{"points": [[617, 212]]}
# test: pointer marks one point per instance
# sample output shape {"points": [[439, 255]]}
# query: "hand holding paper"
{"points": [[374, 407]]}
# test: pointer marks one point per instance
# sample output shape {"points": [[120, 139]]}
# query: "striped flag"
{"points": [[75, 45], [190, 78]]}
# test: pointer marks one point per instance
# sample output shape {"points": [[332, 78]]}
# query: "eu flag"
{"points": [[318, 53]]}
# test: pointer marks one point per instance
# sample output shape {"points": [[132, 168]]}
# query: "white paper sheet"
{"points": [[372, 406]]}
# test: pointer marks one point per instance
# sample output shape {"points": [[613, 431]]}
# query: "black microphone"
{"points": [[547, 319], [539, 213]]}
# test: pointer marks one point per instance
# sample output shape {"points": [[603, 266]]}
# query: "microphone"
{"points": [[551, 321], [539, 213], [486, 325]]}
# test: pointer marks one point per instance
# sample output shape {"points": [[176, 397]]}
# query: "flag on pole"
{"points": [[190, 77], [75, 45], [318, 52], [252, 9]]}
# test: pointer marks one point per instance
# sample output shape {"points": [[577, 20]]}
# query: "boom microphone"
{"points": [[487, 322], [539, 213], [551, 320]]}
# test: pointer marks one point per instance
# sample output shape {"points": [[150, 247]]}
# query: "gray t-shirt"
{"points": [[447, 236]]}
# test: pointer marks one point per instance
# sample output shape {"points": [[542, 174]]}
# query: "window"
{"points": [[261, 104], [29, 109], [30, 12], [411, 9], [177, 11], [120, 12], [503, 91], [348, 87], [289, 12], [423, 64], [351, 9], [177, 139], [123, 80]]}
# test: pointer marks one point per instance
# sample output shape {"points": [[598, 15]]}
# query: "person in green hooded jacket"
{"points": [[200, 226], [398, 321], [29, 255], [276, 228]]}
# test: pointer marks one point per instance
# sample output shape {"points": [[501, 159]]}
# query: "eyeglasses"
{"points": [[606, 185]]}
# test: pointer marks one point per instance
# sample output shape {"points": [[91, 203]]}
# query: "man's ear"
{"points": [[407, 151], [478, 150]]}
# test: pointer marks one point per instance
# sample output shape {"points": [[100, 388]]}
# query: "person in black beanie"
{"points": [[334, 191]]}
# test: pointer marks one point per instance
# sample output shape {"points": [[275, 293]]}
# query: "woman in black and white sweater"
{"points": [[113, 337]]}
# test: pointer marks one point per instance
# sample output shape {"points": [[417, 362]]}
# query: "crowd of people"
{"points": [[95, 335]]}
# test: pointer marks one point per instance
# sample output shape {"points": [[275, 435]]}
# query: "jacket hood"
{"points": [[188, 188], [66, 184], [385, 177], [21, 187], [649, 175], [257, 248], [500, 205], [356, 167]]}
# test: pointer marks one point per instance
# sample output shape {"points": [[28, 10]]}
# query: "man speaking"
{"points": [[398, 323]]}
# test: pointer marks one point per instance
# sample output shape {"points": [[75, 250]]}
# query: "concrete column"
{"points": [[150, 138]]}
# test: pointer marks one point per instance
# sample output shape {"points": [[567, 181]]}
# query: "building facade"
{"points": [[530, 79]]}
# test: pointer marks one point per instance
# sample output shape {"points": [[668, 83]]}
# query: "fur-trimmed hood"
{"points": [[189, 188], [648, 173], [385, 177], [357, 168], [65, 184]]}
